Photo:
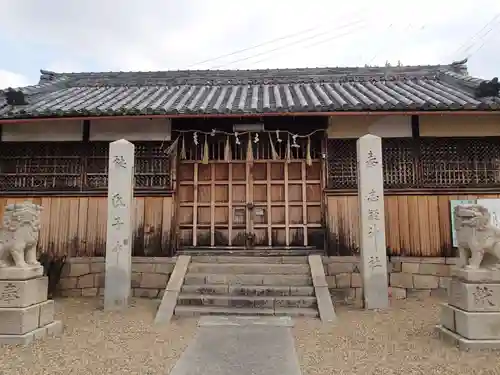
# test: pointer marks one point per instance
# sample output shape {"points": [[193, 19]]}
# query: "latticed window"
{"points": [[32, 166], [470, 162], [400, 166], [76, 166], [425, 163], [342, 163]]}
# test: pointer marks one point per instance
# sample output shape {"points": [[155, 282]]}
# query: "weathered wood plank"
{"points": [[153, 207], [404, 225], [444, 223], [166, 223], [392, 225], [63, 242], [417, 225], [55, 220], [92, 215], [434, 228], [423, 225], [82, 240], [45, 223], [102, 223]]}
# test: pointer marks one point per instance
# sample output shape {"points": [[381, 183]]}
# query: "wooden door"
{"points": [[286, 203], [241, 204]]}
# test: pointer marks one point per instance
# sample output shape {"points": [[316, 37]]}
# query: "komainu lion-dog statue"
{"points": [[478, 240], [19, 235]]}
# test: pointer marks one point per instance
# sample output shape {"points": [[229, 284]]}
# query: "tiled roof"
{"points": [[439, 87]]}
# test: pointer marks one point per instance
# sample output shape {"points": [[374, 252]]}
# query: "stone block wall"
{"points": [[408, 277], [84, 277]]}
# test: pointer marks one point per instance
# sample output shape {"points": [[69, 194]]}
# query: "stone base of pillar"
{"points": [[25, 312], [471, 317], [465, 344]]}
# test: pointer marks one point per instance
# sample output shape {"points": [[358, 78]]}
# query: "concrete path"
{"points": [[243, 346]]}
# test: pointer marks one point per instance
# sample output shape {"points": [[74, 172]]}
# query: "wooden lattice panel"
{"points": [[423, 163], [76, 166]]}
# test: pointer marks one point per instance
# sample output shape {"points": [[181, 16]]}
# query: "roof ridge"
{"points": [[250, 76], [339, 69], [41, 87]]}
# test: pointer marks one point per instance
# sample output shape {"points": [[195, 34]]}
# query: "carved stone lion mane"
{"points": [[19, 235], [478, 241]]}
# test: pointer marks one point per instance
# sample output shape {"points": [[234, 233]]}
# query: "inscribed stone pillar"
{"points": [[372, 222], [119, 229]]}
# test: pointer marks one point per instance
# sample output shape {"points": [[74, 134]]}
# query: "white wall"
{"points": [[47, 131], [356, 126], [391, 127], [141, 129]]}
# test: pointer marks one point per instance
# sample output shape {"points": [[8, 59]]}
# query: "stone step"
{"points": [[181, 310], [218, 259], [250, 290], [194, 278], [245, 301], [250, 268]]}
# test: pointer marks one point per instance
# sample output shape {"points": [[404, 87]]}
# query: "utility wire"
{"points": [[399, 39], [338, 36], [482, 38], [287, 45], [288, 36], [255, 46], [384, 45], [357, 28], [485, 41], [471, 38]]}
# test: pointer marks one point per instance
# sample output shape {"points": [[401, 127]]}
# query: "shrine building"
{"points": [[251, 160]]}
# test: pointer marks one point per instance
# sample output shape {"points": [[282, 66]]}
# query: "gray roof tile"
{"points": [[440, 87]]}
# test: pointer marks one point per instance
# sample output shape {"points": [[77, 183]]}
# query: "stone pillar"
{"points": [[119, 230], [372, 223], [25, 312]]}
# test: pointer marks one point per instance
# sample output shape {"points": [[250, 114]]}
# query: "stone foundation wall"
{"points": [[408, 277], [84, 277]]}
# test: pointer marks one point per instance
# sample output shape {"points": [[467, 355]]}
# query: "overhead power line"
{"points": [[470, 42], [254, 47], [359, 11], [338, 36], [382, 47], [288, 44], [401, 39], [483, 37], [485, 40]]}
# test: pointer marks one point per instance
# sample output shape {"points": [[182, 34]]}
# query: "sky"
{"points": [[131, 35]]}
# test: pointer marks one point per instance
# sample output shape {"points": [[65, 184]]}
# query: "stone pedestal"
{"points": [[25, 312], [471, 318]]}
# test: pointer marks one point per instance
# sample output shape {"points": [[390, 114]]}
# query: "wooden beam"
{"points": [[415, 126], [86, 131], [493, 112]]}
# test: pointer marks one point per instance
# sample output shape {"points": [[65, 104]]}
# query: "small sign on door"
{"points": [[259, 211], [239, 215]]}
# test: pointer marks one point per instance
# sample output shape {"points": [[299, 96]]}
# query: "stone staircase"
{"points": [[238, 285]]}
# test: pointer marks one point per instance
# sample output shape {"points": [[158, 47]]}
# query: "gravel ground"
{"points": [[95, 342], [400, 340]]}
